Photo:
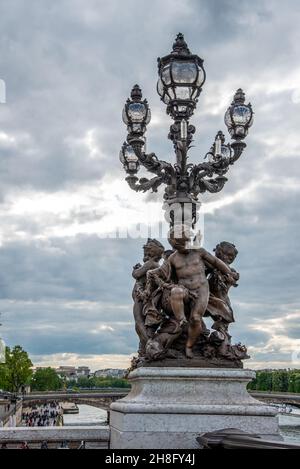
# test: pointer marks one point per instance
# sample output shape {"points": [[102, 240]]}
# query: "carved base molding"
{"points": [[169, 407]]}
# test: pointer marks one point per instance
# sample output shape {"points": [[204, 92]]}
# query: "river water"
{"points": [[88, 415], [290, 426]]}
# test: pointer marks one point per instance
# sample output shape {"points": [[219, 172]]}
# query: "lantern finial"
{"points": [[136, 93], [180, 46]]}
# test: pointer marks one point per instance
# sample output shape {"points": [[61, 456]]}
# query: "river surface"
{"points": [[88, 415], [290, 426]]}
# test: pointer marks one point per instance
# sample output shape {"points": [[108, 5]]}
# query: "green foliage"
{"points": [[276, 380], [294, 382], [94, 382], [252, 386], [280, 381], [264, 381], [16, 371], [46, 379]]}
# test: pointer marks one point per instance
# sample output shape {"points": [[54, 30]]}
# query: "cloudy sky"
{"points": [[69, 65]]}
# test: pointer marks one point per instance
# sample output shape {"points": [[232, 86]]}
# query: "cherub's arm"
{"points": [[141, 271], [160, 275], [217, 263]]}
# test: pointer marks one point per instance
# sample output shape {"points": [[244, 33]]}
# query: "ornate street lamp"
{"points": [[136, 113], [239, 116], [181, 77]]}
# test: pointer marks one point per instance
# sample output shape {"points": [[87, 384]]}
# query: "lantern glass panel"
{"points": [[241, 115], [165, 74], [148, 116], [225, 151], [200, 79], [137, 112], [227, 118], [124, 116], [184, 72], [160, 87], [182, 92], [130, 155]]}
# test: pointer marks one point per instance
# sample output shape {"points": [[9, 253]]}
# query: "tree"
{"points": [[46, 379], [252, 386], [16, 371], [264, 381], [294, 381], [83, 382], [280, 381]]}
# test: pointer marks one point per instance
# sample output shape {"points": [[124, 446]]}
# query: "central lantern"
{"points": [[181, 76]]}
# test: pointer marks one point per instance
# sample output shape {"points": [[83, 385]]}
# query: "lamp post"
{"points": [[181, 77]]}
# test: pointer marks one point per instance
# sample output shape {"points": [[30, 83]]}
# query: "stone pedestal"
{"points": [[169, 407]]}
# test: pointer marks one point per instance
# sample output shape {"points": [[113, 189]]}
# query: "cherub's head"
{"points": [[154, 349], [167, 254], [153, 249], [179, 238], [225, 251]]}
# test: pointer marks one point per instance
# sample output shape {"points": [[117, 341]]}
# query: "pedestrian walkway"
{"points": [[45, 415]]}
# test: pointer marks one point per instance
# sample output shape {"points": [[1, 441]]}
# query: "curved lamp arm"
{"points": [[144, 184]]}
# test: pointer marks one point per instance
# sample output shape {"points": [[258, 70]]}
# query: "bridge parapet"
{"points": [[95, 436]]}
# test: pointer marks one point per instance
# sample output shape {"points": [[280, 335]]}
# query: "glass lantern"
{"points": [[136, 113], [181, 76], [129, 159], [239, 116]]}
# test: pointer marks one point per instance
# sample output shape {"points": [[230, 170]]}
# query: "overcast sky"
{"points": [[69, 65]]}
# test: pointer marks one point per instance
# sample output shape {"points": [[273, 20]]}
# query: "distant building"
{"points": [[83, 371], [110, 373], [70, 373]]}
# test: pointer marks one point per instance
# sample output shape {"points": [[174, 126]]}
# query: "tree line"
{"points": [[17, 372], [276, 380]]}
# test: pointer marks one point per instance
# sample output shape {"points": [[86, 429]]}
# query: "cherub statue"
{"points": [[219, 306], [192, 289], [153, 251]]}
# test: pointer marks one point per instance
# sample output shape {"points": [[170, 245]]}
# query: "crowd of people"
{"points": [[46, 415]]}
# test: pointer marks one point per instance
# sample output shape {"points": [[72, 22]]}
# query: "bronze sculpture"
{"points": [[172, 299]]}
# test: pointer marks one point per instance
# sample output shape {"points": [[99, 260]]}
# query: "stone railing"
{"points": [[15, 411], [93, 436]]}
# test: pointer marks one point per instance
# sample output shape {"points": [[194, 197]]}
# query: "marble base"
{"points": [[167, 408]]}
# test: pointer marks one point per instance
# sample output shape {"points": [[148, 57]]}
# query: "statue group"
{"points": [[174, 291]]}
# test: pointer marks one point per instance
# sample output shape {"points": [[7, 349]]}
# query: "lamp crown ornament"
{"points": [[180, 46], [136, 93]]}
